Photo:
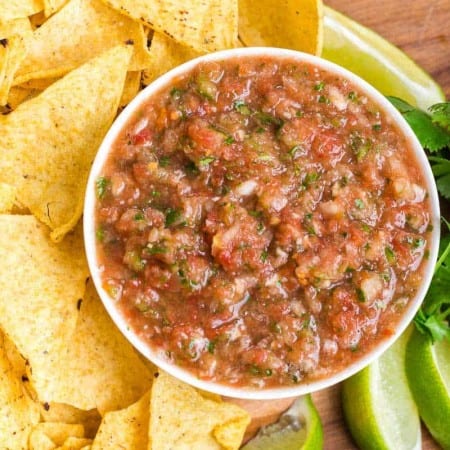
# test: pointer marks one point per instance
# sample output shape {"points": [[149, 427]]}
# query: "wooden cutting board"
{"points": [[421, 29]]}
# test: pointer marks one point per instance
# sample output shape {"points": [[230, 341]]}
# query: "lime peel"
{"points": [[428, 370], [379, 62], [299, 428], [378, 406]]}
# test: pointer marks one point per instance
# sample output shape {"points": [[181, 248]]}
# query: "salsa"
{"points": [[261, 222]]}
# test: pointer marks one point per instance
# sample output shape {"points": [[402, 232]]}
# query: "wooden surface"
{"points": [[421, 28]]}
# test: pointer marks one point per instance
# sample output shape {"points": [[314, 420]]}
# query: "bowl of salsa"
{"points": [[261, 223]]}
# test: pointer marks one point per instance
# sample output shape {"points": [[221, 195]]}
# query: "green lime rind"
{"points": [[299, 428], [376, 60], [378, 406], [428, 371]]}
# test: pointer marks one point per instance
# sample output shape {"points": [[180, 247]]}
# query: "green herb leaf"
{"points": [[206, 161], [430, 133], [101, 186], [440, 114], [240, 106]]}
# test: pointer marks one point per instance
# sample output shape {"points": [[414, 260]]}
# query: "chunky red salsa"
{"points": [[261, 222]]}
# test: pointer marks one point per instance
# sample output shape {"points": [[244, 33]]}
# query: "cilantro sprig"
{"points": [[432, 128]]}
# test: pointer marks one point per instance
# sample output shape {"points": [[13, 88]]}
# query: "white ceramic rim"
{"points": [[184, 375]]}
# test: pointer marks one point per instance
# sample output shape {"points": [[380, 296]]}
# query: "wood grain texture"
{"points": [[421, 28]]}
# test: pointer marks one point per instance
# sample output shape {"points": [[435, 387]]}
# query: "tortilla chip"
{"points": [[166, 54], [286, 24], [77, 33], [204, 25], [90, 419], [108, 371], [181, 418], [59, 432], [17, 96], [73, 443], [14, 38], [14, 9], [7, 197], [127, 428], [51, 6], [131, 88], [18, 413], [38, 440], [48, 143], [38, 83], [40, 285]]}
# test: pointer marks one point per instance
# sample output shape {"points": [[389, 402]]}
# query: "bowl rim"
{"points": [[255, 393]]}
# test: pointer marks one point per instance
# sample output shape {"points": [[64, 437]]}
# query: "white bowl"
{"points": [[184, 375]]}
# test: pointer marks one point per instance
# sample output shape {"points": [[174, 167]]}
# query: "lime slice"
{"points": [[374, 59], [428, 371], [299, 428], [378, 406]]}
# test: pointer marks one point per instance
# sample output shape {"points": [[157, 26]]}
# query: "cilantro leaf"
{"points": [[433, 317], [441, 171], [431, 135], [440, 114]]}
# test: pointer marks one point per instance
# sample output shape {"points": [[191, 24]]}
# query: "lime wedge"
{"points": [[428, 371], [376, 60], [299, 428], [378, 406]]}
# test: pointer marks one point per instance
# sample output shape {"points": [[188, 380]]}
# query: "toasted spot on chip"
{"points": [[181, 417], [108, 371], [166, 54], [18, 413], [81, 30], [204, 25], [49, 142], [40, 283], [126, 428], [286, 24], [14, 9]]}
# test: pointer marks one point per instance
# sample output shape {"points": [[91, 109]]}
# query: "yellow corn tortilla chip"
{"points": [[51, 6], [14, 38], [58, 432], [108, 371], [74, 443], [181, 418], [14, 9], [286, 23], [81, 30], [131, 88], [17, 96], [7, 197], [38, 83], [18, 413], [38, 440], [166, 54], [126, 428], [204, 25], [15, 51], [40, 286], [90, 419], [48, 143]]}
